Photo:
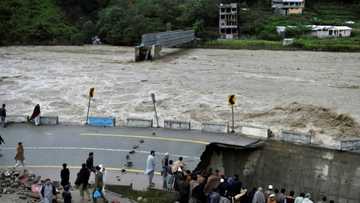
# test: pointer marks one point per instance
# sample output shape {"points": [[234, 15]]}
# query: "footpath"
{"points": [[20, 186]]}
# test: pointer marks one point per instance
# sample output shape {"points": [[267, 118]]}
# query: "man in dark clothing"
{"points": [[67, 194], [90, 162], [198, 192], [3, 116], [65, 176], [83, 181], [183, 189], [1, 140], [234, 185]]}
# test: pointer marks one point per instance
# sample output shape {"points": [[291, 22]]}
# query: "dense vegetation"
{"points": [[122, 22]]}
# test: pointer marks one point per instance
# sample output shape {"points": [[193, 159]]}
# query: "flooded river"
{"points": [[189, 84]]}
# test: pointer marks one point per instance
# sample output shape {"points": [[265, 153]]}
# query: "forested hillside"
{"points": [[121, 22]]}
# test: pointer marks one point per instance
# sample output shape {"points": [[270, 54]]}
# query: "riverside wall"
{"points": [[333, 173]]}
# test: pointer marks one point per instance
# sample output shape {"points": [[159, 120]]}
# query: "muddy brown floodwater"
{"points": [[317, 91]]}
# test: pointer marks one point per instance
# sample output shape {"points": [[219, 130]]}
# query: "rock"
{"points": [[22, 197], [135, 146], [129, 164]]}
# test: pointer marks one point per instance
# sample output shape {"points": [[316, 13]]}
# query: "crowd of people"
{"points": [[214, 187], [48, 192]]}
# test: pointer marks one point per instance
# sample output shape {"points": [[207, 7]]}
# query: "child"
{"points": [[67, 194]]}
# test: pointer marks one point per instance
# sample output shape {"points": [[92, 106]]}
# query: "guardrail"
{"points": [[101, 121], [350, 145], [49, 120], [16, 118], [295, 137], [256, 131], [215, 127], [174, 124], [139, 123]]}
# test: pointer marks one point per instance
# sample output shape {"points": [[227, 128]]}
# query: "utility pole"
{"points": [[154, 103], [91, 95], [232, 101]]}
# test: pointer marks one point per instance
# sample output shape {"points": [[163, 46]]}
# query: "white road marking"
{"points": [[171, 139], [100, 149]]}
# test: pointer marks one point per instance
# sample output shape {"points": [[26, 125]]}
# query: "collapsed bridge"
{"points": [[152, 43]]}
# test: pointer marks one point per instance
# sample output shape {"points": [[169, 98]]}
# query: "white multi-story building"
{"points": [[288, 7], [229, 21]]}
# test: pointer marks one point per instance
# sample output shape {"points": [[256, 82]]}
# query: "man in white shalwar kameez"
{"points": [[150, 168]]}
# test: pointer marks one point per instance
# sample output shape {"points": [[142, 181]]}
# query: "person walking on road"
{"points": [[3, 116], [19, 157], [83, 181], [98, 187], [90, 162], [150, 168], [36, 115], [65, 176]]}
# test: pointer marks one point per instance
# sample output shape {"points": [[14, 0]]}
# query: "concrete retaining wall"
{"points": [[173, 124], [49, 120], [295, 137], [139, 123], [215, 127], [102, 121], [301, 168]]}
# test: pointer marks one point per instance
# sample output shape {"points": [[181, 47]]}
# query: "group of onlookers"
{"points": [[48, 191], [214, 187]]}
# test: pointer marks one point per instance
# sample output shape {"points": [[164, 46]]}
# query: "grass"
{"points": [[151, 196], [329, 44], [243, 44]]}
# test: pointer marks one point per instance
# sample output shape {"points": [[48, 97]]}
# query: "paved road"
{"points": [[50, 146]]}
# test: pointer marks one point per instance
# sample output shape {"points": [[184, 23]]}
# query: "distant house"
{"points": [[229, 21], [323, 31], [288, 7], [320, 31]]}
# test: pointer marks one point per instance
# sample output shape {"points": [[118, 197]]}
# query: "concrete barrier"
{"points": [[139, 123], [173, 124], [256, 131], [102, 121], [350, 145], [295, 137], [49, 120], [16, 118], [215, 127]]}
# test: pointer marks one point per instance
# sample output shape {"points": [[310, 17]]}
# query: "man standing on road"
{"points": [[65, 176], [3, 116], [150, 168], [19, 157], [83, 181], [99, 184], [165, 169], [90, 162]]}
